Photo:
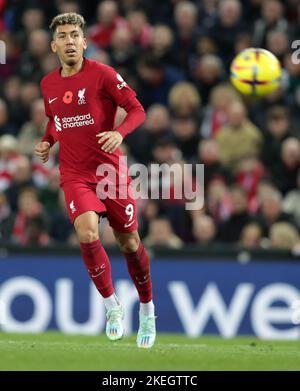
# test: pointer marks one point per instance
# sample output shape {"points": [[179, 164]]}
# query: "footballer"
{"points": [[81, 98]]}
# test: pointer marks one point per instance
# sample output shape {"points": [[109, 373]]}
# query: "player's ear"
{"points": [[53, 47]]}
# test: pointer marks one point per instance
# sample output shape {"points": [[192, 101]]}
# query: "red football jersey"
{"points": [[79, 107]]}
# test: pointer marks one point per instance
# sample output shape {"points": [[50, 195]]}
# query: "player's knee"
{"points": [[87, 235], [131, 245]]}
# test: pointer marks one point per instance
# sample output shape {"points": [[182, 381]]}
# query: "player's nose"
{"points": [[69, 39]]}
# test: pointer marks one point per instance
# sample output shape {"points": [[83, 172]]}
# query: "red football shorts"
{"points": [[82, 197]]}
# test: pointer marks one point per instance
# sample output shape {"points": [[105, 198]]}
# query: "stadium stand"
{"points": [[176, 55]]}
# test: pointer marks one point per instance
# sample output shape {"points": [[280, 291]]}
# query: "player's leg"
{"points": [[138, 265], [84, 208], [98, 267], [93, 253], [121, 214]]}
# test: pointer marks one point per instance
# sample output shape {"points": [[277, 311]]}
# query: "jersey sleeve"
{"points": [[50, 133], [134, 118], [116, 88]]}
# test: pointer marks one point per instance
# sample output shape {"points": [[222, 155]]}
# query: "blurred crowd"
{"points": [[176, 55]]}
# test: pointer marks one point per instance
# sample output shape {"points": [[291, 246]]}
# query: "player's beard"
{"points": [[71, 62]]}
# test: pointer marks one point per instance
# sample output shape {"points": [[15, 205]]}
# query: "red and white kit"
{"points": [[79, 107]]}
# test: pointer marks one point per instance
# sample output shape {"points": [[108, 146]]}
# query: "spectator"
{"points": [[29, 225], [156, 127], [32, 19], [155, 80], [249, 173], [141, 30], [271, 19], [291, 202], [35, 233], [6, 127], [161, 234], [239, 137], [29, 92], [12, 55], [12, 97], [295, 106], [184, 100], [8, 156], [278, 44], [251, 236], [32, 131], [295, 27], [176, 188], [227, 27], [218, 200], [271, 211], [205, 45], [150, 210], [165, 151], [60, 227], [230, 231], [22, 178], [204, 230], [186, 135], [48, 63], [68, 6], [216, 113], [243, 41], [121, 52], [209, 155], [292, 75], [108, 20], [161, 45], [49, 195], [30, 62], [186, 31], [283, 236], [208, 13], [207, 74], [278, 129], [285, 173], [6, 219]]}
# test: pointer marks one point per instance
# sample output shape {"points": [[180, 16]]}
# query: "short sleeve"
{"points": [[116, 88]]}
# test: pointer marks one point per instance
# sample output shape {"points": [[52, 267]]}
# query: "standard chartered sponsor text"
{"points": [[77, 121]]}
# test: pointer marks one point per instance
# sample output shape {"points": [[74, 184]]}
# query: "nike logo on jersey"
{"points": [[52, 100], [129, 224]]}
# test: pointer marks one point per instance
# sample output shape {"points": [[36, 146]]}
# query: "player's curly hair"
{"points": [[67, 18]]}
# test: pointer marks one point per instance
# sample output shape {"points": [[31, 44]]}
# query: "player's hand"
{"points": [[112, 140], [42, 150]]}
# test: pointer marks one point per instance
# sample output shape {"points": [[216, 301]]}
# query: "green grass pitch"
{"points": [[55, 351]]}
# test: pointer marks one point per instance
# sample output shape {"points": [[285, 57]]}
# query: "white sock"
{"points": [[147, 308], [111, 301]]}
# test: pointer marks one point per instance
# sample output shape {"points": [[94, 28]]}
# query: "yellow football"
{"points": [[255, 72]]}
